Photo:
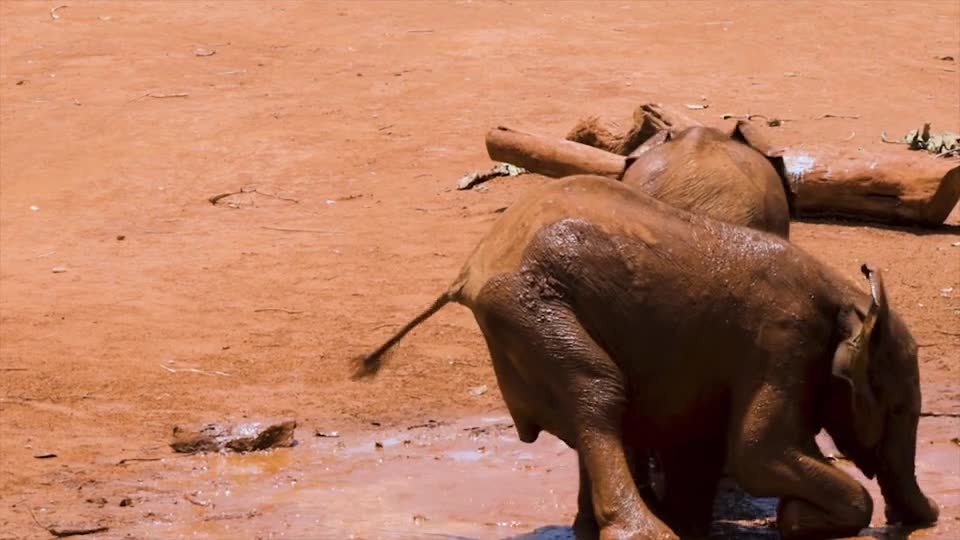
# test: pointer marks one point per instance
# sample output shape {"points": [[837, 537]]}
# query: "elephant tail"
{"points": [[370, 364]]}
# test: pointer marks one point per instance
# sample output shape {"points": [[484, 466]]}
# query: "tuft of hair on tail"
{"points": [[370, 364]]}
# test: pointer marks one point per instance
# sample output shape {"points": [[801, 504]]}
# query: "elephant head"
{"points": [[874, 408]]}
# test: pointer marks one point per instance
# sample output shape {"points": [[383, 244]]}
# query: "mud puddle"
{"points": [[470, 478]]}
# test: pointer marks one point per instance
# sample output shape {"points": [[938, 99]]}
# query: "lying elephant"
{"points": [[617, 323], [705, 171]]}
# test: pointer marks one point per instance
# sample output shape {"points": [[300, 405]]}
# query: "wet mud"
{"points": [[466, 478]]}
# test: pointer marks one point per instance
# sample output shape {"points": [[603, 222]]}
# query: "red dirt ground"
{"points": [[365, 114]]}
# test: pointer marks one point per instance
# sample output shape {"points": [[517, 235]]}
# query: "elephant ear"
{"points": [[851, 360], [747, 133]]}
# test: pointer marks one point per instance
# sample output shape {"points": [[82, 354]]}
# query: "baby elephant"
{"points": [[621, 324], [705, 171]]}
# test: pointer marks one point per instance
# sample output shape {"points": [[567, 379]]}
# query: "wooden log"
{"points": [[549, 156], [899, 187]]}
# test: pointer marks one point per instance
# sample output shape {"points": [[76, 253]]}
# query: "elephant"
{"points": [[621, 324], [736, 178]]}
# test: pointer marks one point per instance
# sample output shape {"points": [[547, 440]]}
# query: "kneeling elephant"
{"points": [[619, 324]]}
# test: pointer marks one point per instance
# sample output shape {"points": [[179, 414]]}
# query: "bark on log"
{"points": [[900, 187], [549, 156]]}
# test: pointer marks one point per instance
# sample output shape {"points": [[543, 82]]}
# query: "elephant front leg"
{"points": [[768, 458]]}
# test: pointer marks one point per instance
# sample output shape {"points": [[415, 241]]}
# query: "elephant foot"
{"points": [[925, 513]]}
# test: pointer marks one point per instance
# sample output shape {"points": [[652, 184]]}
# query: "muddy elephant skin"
{"points": [[621, 324], [706, 171]]}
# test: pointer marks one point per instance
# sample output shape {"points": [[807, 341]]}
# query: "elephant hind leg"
{"points": [[580, 398]]}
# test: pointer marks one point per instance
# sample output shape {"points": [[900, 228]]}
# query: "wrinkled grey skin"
{"points": [[623, 325], [705, 171]]}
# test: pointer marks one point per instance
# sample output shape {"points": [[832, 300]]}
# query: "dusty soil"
{"points": [[353, 121]]}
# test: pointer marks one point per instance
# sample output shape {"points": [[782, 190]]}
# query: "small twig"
{"points": [[195, 370], [216, 198], [944, 332], [53, 12], [883, 137], [421, 31], [284, 229], [772, 122], [164, 96], [213, 200], [831, 115], [189, 498], [63, 533], [852, 135], [13, 369], [939, 415], [35, 520], [130, 459], [281, 310]]}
